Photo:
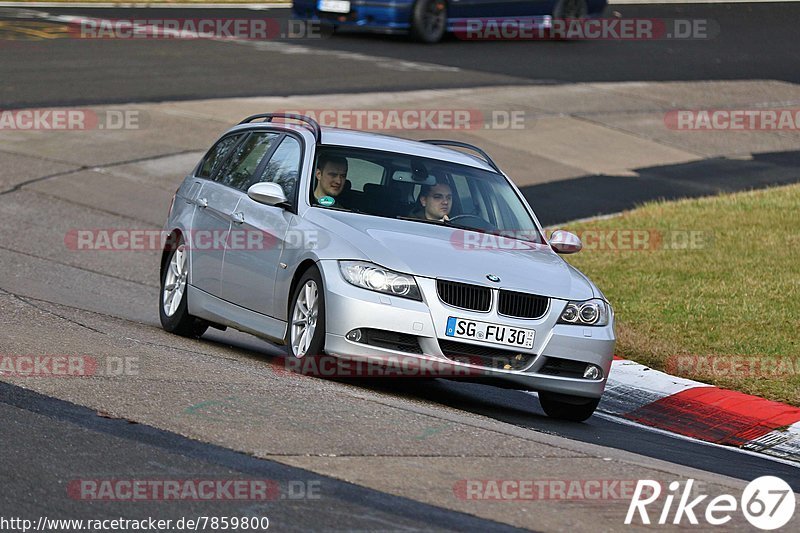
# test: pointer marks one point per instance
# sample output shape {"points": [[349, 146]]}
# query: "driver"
{"points": [[436, 200], [331, 178]]}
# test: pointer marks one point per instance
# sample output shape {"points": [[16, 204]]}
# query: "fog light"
{"points": [[592, 372], [354, 335]]}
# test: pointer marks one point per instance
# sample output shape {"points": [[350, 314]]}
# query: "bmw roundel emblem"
{"points": [[492, 277]]}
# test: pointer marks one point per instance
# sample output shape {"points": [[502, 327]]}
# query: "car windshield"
{"points": [[419, 189]]}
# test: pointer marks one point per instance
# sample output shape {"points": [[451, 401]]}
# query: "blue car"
{"points": [[428, 20]]}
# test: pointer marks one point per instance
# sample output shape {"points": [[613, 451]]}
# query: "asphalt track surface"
{"points": [[38, 430], [755, 42], [516, 408]]}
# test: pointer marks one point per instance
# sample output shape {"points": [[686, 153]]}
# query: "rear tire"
{"points": [[429, 20], [574, 408], [172, 304]]}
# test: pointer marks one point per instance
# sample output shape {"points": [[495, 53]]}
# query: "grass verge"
{"points": [[708, 288]]}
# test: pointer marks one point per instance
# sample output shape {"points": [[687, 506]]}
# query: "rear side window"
{"points": [[283, 167], [240, 168], [217, 155], [361, 172]]}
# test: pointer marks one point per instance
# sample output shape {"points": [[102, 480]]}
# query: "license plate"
{"points": [[461, 328], [334, 6]]}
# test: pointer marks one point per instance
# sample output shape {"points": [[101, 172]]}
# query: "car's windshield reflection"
{"points": [[417, 189]]}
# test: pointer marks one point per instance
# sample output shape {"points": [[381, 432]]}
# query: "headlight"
{"points": [[376, 278], [589, 313]]}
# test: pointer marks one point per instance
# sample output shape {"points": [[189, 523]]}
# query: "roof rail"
{"points": [[310, 122], [459, 144]]}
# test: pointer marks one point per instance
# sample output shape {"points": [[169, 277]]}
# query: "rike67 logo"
{"points": [[767, 503]]}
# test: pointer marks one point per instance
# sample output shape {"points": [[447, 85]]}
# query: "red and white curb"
{"points": [[700, 411]]}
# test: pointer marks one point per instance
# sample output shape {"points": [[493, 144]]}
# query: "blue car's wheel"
{"points": [[429, 20], [570, 9]]}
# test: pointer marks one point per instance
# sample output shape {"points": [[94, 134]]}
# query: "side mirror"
{"points": [[564, 242], [267, 193]]}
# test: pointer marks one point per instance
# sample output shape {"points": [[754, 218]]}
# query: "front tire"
{"points": [[573, 408], [305, 335], [173, 308], [429, 20]]}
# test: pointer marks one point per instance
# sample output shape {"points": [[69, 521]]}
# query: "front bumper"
{"points": [[349, 307], [376, 16]]}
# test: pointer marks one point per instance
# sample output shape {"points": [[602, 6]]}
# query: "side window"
{"points": [[238, 171], [361, 172], [284, 166], [216, 156]]}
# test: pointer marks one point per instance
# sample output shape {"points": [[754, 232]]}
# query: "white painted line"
{"points": [[287, 4], [632, 385], [619, 420], [380, 62], [269, 46], [273, 5], [625, 421], [783, 442]]}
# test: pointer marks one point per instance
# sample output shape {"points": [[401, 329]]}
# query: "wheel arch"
{"points": [[169, 245], [301, 269]]}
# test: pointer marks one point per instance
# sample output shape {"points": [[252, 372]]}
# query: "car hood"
{"points": [[445, 252]]}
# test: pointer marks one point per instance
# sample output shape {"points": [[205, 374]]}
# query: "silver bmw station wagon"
{"points": [[367, 247]]}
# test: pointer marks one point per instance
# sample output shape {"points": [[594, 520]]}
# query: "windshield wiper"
{"points": [[425, 220], [449, 223]]}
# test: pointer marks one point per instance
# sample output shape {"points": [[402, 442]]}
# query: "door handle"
{"points": [[201, 202], [237, 217]]}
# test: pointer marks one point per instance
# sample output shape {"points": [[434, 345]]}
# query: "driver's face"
{"points": [[332, 178], [438, 202]]}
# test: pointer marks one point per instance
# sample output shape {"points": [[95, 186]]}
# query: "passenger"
{"points": [[436, 202], [331, 178]]}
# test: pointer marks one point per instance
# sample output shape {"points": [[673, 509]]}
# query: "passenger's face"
{"points": [[438, 202], [331, 179]]}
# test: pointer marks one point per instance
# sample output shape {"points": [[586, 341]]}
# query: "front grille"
{"points": [[472, 297], [522, 305], [391, 340], [564, 368], [485, 356]]}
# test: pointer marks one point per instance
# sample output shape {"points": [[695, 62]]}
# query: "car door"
{"points": [[211, 220], [260, 234], [492, 9]]}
